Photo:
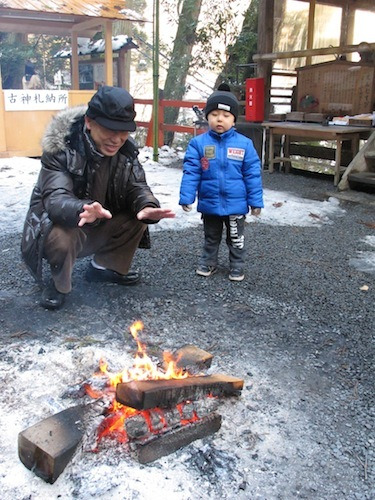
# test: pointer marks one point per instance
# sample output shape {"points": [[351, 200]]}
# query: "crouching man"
{"points": [[91, 197]]}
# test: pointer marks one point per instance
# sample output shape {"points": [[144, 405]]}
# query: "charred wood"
{"points": [[192, 358], [164, 444], [46, 447]]}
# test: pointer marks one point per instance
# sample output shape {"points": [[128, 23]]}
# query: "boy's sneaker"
{"points": [[206, 270], [236, 275]]}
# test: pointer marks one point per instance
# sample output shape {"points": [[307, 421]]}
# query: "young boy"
{"points": [[223, 167]]}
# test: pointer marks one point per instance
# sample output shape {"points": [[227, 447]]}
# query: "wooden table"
{"points": [[303, 131]]}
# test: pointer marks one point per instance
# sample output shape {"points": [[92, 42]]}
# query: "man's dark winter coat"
{"points": [[65, 181]]}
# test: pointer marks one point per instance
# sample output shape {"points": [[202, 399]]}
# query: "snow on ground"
{"points": [[18, 175]]}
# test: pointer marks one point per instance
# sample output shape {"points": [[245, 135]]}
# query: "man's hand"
{"points": [[155, 213], [255, 211], [187, 208], [93, 212]]}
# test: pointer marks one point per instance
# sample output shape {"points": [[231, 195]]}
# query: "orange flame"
{"points": [[143, 369]]}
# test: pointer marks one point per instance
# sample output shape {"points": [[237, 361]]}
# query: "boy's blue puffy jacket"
{"points": [[224, 169]]}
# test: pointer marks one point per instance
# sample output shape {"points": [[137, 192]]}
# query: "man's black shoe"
{"points": [[52, 298], [106, 275]]}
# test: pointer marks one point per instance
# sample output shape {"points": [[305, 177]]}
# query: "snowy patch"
{"points": [[365, 260], [285, 209], [19, 175]]}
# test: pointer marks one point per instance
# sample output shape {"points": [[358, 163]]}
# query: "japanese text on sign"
{"points": [[25, 100]]}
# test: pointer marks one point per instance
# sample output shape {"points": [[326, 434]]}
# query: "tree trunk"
{"points": [[180, 60]]}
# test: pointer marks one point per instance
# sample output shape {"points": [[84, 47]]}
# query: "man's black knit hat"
{"points": [[222, 99], [112, 108]]}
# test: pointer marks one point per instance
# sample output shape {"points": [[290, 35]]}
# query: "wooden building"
{"points": [[327, 88], [266, 58], [23, 118]]}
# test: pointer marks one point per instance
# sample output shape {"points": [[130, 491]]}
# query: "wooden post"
{"points": [[265, 45], [151, 128], [123, 69], [3, 142], [347, 26], [74, 62], [124, 58], [160, 124], [108, 53], [310, 29]]}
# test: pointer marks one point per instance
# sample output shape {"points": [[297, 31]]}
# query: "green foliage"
{"points": [[46, 48], [242, 50], [14, 53], [17, 50], [219, 30]]}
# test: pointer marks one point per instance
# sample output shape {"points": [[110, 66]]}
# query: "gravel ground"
{"points": [[299, 330]]}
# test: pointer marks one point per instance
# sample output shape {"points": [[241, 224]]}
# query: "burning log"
{"points": [[46, 447], [163, 444], [145, 394]]}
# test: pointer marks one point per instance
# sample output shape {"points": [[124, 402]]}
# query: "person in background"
{"points": [[223, 168], [91, 197], [30, 80]]}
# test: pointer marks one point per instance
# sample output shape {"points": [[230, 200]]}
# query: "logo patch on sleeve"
{"points": [[205, 163], [210, 152], [235, 154]]}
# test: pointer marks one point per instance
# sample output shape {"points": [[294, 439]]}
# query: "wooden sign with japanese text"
{"points": [[25, 100]]}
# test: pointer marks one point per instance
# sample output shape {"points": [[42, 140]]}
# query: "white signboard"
{"points": [[25, 100]]}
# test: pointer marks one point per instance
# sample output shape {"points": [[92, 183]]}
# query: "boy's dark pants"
{"points": [[113, 242], [213, 231]]}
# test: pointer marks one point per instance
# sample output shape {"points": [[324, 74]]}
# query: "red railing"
{"points": [[165, 127]]}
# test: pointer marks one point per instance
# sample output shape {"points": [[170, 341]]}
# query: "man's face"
{"points": [[108, 142], [220, 121]]}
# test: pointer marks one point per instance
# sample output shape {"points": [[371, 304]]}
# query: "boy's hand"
{"points": [[187, 208], [255, 211]]}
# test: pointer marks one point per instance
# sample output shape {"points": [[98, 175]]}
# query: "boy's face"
{"points": [[220, 121], [108, 142]]}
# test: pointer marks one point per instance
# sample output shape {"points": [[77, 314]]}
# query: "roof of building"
{"points": [[89, 47], [61, 16], [111, 9]]}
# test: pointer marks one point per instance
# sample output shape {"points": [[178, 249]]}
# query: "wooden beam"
{"points": [[145, 394], [311, 52], [34, 26], [358, 4], [90, 24]]}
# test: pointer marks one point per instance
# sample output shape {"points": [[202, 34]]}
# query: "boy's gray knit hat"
{"points": [[222, 99]]}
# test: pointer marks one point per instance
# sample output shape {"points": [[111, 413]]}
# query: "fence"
{"points": [[166, 127]]}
